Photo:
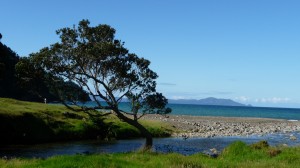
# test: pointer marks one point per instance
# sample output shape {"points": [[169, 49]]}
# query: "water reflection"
{"points": [[164, 145]]}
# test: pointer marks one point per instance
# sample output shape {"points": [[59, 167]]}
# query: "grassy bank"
{"points": [[27, 122], [237, 154]]}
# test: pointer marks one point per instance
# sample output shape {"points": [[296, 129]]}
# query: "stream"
{"points": [[164, 145]]}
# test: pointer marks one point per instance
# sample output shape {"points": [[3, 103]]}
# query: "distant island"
{"points": [[207, 101]]}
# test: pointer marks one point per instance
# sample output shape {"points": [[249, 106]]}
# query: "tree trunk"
{"points": [[141, 128], [144, 132]]}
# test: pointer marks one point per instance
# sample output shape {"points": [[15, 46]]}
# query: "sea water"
{"points": [[236, 111], [226, 111]]}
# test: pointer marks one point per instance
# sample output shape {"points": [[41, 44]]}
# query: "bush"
{"points": [[260, 145]]}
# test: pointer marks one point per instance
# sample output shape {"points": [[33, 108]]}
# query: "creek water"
{"points": [[164, 145]]}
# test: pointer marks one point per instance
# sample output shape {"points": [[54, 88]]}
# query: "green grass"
{"points": [[122, 129], [29, 122], [237, 154]]}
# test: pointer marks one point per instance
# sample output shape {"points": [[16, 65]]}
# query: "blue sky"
{"points": [[248, 51]]}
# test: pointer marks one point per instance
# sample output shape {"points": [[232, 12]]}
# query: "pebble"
{"points": [[293, 138], [207, 127]]}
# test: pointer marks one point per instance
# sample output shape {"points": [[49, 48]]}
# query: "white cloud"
{"points": [[243, 99], [177, 97], [273, 100]]}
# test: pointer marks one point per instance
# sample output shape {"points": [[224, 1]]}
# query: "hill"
{"points": [[207, 101], [20, 79]]}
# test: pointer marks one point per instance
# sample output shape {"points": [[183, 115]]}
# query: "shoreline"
{"points": [[211, 126]]}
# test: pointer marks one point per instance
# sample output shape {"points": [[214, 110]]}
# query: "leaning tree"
{"points": [[93, 59]]}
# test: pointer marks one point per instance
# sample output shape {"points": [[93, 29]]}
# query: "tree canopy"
{"points": [[8, 60], [21, 79], [95, 60]]}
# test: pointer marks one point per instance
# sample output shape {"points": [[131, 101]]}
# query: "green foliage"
{"points": [[93, 59], [21, 79], [33, 82], [8, 60], [40, 84]]}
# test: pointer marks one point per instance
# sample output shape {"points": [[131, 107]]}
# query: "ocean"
{"points": [[227, 111], [236, 111]]}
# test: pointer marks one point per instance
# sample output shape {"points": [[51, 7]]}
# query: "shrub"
{"points": [[260, 145]]}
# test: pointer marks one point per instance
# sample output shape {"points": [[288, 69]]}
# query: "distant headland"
{"points": [[207, 101]]}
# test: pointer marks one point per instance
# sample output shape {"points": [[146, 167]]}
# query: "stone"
{"points": [[214, 150], [293, 138]]}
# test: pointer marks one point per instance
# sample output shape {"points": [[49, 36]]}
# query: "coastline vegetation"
{"points": [[238, 154], [29, 122], [99, 64]]}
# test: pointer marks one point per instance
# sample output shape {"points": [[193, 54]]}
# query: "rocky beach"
{"points": [[202, 126]]}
